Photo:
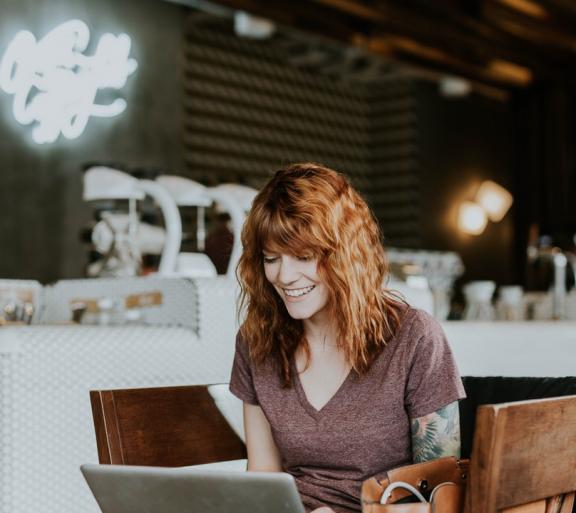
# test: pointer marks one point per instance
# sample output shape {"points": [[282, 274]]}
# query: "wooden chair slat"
{"points": [[522, 452], [168, 426]]}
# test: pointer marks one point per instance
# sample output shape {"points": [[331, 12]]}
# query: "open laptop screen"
{"points": [[130, 489]]}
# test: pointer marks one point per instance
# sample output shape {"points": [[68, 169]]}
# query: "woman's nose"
{"points": [[288, 272]]}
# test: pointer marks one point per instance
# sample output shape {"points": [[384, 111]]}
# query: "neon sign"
{"points": [[55, 85]]}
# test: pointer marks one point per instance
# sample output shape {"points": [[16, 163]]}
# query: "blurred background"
{"points": [[134, 135], [419, 103]]}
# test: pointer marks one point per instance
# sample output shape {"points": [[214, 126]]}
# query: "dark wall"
{"points": [[250, 109], [413, 153], [464, 141], [546, 166], [41, 206], [393, 153]]}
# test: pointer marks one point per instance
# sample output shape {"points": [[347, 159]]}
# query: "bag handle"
{"points": [[400, 484]]}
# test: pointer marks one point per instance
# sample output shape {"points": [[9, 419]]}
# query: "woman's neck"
{"points": [[320, 335]]}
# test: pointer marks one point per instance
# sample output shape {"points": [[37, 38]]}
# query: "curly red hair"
{"points": [[310, 209]]}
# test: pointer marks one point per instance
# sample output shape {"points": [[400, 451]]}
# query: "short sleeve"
{"points": [[433, 378], [241, 382]]}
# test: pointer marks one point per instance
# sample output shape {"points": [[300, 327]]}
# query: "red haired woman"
{"points": [[340, 380]]}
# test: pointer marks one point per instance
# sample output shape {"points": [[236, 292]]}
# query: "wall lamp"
{"points": [[491, 203]]}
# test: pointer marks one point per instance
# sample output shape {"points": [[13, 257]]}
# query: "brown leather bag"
{"points": [[443, 479]]}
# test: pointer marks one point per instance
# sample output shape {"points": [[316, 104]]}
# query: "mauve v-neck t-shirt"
{"points": [[364, 429]]}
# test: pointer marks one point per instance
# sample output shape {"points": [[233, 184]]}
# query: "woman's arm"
{"points": [[263, 455], [437, 434]]}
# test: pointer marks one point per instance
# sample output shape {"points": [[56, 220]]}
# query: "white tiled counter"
{"points": [[46, 372]]}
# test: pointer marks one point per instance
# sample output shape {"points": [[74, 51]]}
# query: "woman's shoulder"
{"points": [[416, 323], [242, 346], [416, 319], [421, 317]]}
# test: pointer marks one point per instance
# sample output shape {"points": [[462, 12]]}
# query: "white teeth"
{"points": [[298, 292]]}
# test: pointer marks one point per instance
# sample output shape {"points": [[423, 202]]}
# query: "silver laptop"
{"points": [[129, 489]]}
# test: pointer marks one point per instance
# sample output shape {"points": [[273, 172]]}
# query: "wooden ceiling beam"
{"points": [[546, 62], [447, 29], [532, 31], [527, 8], [464, 32], [563, 14], [493, 73], [561, 6]]}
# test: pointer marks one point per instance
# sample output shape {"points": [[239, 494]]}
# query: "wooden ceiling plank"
{"points": [[562, 7], [460, 34], [493, 42], [527, 8], [404, 50], [532, 31], [447, 27]]}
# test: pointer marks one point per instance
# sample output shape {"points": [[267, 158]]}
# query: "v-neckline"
{"points": [[378, 362], [306, 404]]}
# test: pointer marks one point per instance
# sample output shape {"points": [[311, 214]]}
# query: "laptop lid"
{"points": [[130, 489]]}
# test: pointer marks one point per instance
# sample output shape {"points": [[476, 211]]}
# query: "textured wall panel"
{"points": [[395, 191], [250, 108], [248, 111]]}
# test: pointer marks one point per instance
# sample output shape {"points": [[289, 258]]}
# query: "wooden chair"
{"points": [[523, 453], [169, 427]]}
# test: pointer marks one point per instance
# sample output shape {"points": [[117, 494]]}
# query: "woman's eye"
{"points": [[270, 260], [305, 258]]}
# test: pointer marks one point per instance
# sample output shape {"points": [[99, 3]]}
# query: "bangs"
{"points": [[279, 232]]}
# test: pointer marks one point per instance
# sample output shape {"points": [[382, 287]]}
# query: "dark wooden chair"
{"points": [[505, 389], [523, 453], [169, 427]]}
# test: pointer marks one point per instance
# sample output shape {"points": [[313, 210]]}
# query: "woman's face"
{"points": [[296, 280]]}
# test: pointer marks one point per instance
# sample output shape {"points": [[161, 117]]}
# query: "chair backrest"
{"points": [[168, 427], [504, 389], [522, 452]]}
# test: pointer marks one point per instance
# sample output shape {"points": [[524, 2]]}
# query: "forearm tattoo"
{"points": [[436, 435]]}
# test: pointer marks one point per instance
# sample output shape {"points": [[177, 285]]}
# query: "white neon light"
{"points": [[55, 85]]}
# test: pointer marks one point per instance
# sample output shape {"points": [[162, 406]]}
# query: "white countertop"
{"points": [[532, 348]]}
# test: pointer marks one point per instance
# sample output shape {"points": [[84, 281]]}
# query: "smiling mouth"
{"points": [[299, 292]]}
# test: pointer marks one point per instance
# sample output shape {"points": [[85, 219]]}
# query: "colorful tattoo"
{"points": [[436, 435]]}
